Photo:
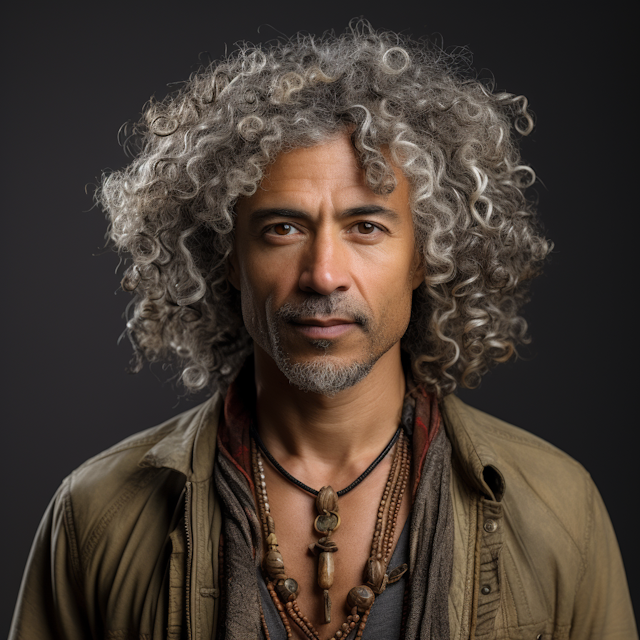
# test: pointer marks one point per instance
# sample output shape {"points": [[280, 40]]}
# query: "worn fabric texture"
{"points": [[242, 537], [431, 547], [128, 547]]}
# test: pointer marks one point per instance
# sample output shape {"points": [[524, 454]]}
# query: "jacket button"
{"points": [[486, 590], [490, 526]]}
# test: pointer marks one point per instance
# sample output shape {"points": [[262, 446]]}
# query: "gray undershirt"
{"points": [[385, 618]]}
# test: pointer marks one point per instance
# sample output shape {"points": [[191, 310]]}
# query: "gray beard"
{"points": [[324, 375], [326, 378]]}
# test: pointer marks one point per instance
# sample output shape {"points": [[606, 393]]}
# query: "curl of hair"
{"points": [[200, 149]]}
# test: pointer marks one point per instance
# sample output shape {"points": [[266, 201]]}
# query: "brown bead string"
{"points": [[390, 512], [280, 608], [381, 547], [382, 542], [383, 503], [263, 624], [301, 620], [261, 491], [268, 526], [396, 502], [363, 623]]}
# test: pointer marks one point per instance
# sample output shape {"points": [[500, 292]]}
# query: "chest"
{"points": [[294, 513]]}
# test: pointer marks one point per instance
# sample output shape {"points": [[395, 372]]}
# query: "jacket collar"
{"points": [[468, 430], [189, 446]]}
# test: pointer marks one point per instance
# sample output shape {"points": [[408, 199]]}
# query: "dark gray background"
{"points": [[71, 78]]}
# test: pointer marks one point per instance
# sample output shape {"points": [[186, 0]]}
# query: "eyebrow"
{"points": [[278, 212]]}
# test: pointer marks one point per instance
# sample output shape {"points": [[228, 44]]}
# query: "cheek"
{"points": [[395, 296], [402, 305], [263, 288], [266, 274], [250, 297]]}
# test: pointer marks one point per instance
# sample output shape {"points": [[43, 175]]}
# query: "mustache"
{"points": [[318, 306]]}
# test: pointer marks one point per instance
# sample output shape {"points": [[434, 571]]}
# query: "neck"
{"points": [[323, 440]]}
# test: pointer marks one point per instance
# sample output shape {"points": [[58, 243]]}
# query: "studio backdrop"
{"points": [[72, 79]]}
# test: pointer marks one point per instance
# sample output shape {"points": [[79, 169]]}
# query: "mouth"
{"points": [[324, 328]]}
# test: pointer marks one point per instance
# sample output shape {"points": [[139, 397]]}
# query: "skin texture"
{"points": [[346, 276]]}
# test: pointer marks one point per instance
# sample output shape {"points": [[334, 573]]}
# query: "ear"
{"points": [[418, 265], [233, 269]]}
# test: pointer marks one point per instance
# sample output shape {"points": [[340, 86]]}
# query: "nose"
{"points": [[325, 266]]}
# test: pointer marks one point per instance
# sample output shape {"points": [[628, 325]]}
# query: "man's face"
{"points": [[326, 268]]}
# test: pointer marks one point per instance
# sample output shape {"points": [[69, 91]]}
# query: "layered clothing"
{"points": [[129, 547]]}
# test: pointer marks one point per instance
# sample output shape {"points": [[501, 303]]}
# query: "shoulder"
{"points": [[554, 548], [138, 480], [543, 488], [482, 439], [120, 465]]}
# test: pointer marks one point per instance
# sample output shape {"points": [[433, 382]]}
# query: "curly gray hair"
{"points": [[202, 148]]}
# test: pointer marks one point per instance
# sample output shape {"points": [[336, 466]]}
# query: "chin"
{"points": [[324, 373], [326, 376]]}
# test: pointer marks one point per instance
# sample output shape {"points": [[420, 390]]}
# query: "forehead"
{"points": [[327, 173], [331, 160]]}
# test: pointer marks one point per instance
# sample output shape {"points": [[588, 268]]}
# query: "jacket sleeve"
{"points": [[603, 609], [50, 603]]}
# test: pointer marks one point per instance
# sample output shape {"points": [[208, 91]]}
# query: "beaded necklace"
{"points": [[284, 590]]}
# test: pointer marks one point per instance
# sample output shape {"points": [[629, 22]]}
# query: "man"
{"points": [[332, 233]]}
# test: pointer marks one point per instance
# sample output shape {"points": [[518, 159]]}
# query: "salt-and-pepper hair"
{"points": [[196, 152]]}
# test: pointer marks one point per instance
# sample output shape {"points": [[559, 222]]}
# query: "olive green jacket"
{"points": [[128, 546]]}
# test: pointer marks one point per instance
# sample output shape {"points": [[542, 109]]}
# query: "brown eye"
{"points": [[366, 227], [282, 229]]}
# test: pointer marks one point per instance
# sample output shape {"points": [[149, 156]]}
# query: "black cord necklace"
{"points": [[256, 436], [325, 524]]}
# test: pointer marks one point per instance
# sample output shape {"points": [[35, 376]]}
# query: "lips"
{"points": [[323, 328], [324, 322]]}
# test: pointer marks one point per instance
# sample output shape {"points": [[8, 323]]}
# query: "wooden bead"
{"points": [[274, 565], [327, 522], [326, 500], [287, 589], [374, 573], [361, 597], [326, 569]]}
